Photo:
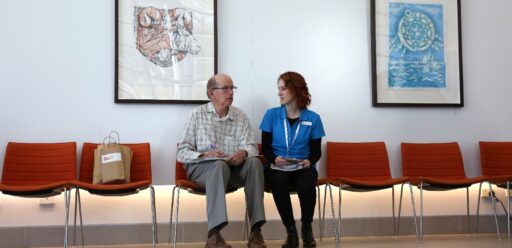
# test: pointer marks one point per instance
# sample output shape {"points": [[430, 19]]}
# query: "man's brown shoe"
{"points": [[256, 240], [216, 241]]}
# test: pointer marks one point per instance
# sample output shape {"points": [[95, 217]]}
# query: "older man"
{"points": [[218, 149]]}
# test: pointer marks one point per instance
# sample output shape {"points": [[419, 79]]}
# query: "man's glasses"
{"points": [[226, 89]]}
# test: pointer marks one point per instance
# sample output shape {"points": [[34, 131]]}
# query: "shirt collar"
{"points": [[211, 109], [282, 113]]}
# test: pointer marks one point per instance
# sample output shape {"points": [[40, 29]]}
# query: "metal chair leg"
{"points": [[177, 215], [319, 212], [78, 209], [77, 194], [81, 218], [323, 214], [67, 200], [339, 211], [495, 215], [74, 217], [508, 206], [399, 209], [336, 237], [467, 209], [393, 208], [246, 226], [478, 206], [172, 210], [421, 211], [153, 214], [414, 211]]}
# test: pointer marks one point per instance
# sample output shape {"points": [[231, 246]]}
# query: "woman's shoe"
{"points": [[292, 241], [308, 240]]}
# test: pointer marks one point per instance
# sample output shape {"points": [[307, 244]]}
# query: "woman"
{"points": [[291, 139]]}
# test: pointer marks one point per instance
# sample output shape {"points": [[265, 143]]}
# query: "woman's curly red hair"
{"points": [[298, 87]]}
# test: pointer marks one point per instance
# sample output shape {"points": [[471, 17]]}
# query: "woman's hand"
{"points": [[280, 161], [306, 163]]}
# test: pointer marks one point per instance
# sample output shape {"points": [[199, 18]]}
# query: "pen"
{"points": [[219, 153]]}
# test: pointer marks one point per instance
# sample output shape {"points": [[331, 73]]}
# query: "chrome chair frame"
{"points": [[176, 190], [494, 208], [79, 204]]}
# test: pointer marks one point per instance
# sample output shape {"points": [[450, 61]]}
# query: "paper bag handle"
{"points": [[112, 139]]}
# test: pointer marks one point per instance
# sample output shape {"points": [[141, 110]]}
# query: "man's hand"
{"points": [[215, 153], [237, 158]]}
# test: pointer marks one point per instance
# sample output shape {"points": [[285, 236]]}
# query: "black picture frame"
{"points": [[416, 53], [165, 51]]}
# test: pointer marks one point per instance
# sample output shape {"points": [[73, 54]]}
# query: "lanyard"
{"points": [[286, 135]]}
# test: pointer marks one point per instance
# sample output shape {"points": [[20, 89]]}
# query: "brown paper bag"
{"points": [[127, 155], [96, 172], [127, 161], [111, 163]]}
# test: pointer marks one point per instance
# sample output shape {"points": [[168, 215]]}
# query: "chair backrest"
{"points": [[28, 164], [140, 168], [365, 160], [496, 158], [260, 155], [181, 173], [435, 160]]}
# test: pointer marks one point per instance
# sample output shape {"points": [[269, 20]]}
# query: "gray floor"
{"points": [[434, 241]]}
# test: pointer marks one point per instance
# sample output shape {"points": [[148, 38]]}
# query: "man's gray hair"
{"points": [[211, 83]]}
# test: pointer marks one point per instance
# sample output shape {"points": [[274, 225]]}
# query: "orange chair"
{"points": [[140, 179], [182, 182], [363, 167], [436, 166], [496, 165], [40, 170]]}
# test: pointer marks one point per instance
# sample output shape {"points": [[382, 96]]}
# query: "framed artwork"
{"points": [[416, 53], [165, 50]]}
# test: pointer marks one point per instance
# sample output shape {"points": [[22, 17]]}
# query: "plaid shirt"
{"points": [[205, 131]]}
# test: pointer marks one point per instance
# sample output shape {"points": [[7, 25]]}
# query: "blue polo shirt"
{"points": [[309, 125]]}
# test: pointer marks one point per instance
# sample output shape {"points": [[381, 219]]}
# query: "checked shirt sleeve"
{"points": [[187, 147], [247, 138]]}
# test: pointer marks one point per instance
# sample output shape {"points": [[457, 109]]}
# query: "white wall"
{"points": [[57, 84]]}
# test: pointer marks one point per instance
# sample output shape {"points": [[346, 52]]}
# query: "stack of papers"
{"points": [[205, 159], [293, 165]]}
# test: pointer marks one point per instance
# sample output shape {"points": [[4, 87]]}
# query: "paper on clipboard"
{"points": [[206, 159], [293, 165]]}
